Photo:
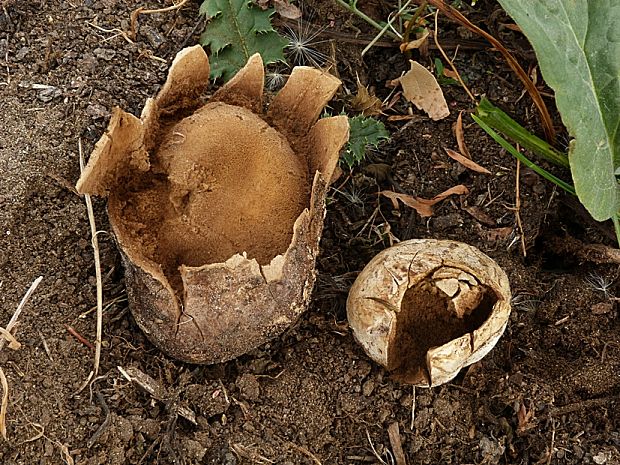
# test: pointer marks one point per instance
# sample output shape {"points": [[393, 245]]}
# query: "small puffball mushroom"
{"points": [[426, 308]]}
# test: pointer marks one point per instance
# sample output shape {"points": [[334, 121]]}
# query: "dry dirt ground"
{"points": [[547, 394]]}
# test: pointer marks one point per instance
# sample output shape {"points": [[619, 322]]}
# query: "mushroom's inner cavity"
{"points": [[221, 182], [429, 318]]}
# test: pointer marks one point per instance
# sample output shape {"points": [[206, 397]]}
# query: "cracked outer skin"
{"points": [[219, 323], [387, 277]]}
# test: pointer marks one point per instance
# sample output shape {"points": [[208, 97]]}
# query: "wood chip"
{"points": [[395, 442]]}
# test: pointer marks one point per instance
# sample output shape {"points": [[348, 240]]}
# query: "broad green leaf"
{"points": [[236, 30], [364, 132], [577, 43]]}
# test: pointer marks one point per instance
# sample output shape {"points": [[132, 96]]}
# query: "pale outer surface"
{"points": [[393, 271]]}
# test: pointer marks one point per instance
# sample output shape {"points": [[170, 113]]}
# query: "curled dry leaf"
{"points": [[466, 162], [424, 207], [218, 208], [413, 44], [422, 89], [426, 308], [480, 215], [365, 102], [460, 137]]}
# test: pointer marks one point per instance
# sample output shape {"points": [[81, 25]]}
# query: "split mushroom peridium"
{"points": [[217, 207], [426, 308]]}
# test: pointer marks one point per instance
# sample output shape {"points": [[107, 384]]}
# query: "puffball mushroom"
{"points": [[426, 308], [217, 207]]}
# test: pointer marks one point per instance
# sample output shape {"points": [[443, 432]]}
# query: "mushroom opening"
{"points": [[221, 182], [431, 315]]}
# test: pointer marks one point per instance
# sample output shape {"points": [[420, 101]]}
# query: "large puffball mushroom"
{"points": [[217, 207], [426, 308]]}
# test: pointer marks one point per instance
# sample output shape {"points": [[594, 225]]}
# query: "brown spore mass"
{"points": [[428, 319], [222, 181]]}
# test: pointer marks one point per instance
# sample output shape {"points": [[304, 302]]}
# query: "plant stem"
{"points": [[353, 9], [616, 221], [503, 123]]}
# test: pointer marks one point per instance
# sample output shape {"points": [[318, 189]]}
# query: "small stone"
{"points": [[368, 387], [249, 386], [21, 53]]}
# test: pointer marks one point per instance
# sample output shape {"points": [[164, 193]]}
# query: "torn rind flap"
{"points": [[119, 151]]}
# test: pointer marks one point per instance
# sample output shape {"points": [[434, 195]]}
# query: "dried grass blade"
{"points": [[5, 403], [20, 307], [95, 245]]}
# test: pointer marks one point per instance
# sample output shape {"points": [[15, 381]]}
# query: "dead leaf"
{"points": [[450, 74], [480, 215], [460, 136], [498, 234], [424, 207], [524, 416], [421, 88], [416, 43], [466, 162], [364, 102], [511, 26], [286, 9]]}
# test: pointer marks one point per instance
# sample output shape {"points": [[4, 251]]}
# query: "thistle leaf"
{"points": [[364, 132], [236, 30]]}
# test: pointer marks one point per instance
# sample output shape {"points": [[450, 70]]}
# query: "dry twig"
{"points": [[518, 208], [5, 403], [458, 75], [141, 11], [13, 344], [95, 245]]}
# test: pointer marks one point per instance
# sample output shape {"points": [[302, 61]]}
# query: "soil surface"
{"points": [[547, 393]]}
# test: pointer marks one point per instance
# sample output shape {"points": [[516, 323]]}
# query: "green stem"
{"points": [[411, 24], [616, 220], [353, 9], [503, 123], [523, 159]]}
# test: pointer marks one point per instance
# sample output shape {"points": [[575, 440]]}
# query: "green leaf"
{"points": [[236, 30], [522, 158], [577, 43], [501, 122], [364, 132]]}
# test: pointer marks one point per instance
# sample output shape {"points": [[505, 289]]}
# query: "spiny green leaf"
{"points": [[364, 132], [236, 30], [577, 43]]}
